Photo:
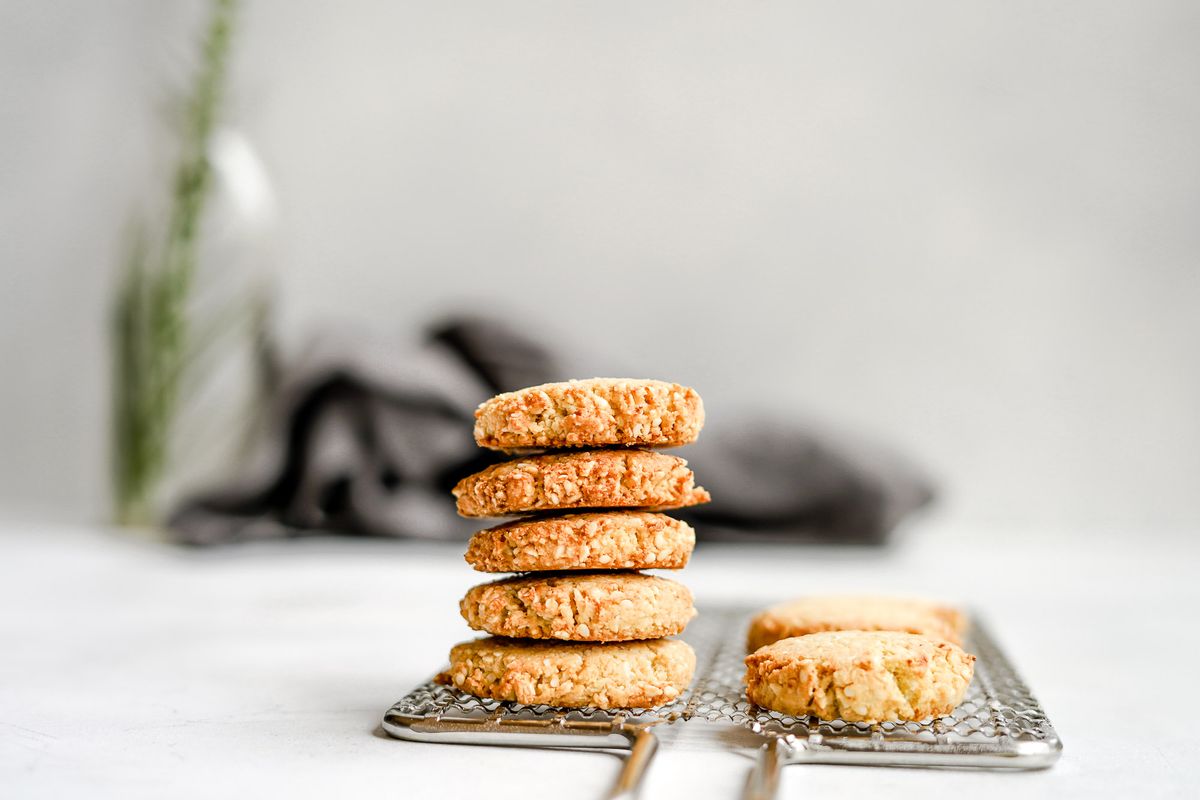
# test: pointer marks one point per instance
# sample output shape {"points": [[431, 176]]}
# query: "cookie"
{"points": [[847, 613], [859, 676], [599, 412], [621, 675], [597, 540], [580, 607], [589, 479]]}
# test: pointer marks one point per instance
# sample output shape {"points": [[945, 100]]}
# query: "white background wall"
{"points": [[969, 228]]}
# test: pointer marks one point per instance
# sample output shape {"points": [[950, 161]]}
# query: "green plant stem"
{"points": [[150, 319]]}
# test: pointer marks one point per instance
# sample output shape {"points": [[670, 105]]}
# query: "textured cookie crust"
{"points": [[854, 613], [590, 479], [623, 675], [597, 540], [860, 676], [580, 607], [598, 412]]}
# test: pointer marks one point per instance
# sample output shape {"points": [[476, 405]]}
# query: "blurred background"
{"points": [[969, 233]]}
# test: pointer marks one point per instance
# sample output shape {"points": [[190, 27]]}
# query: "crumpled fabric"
{"points": [[367, 438]]}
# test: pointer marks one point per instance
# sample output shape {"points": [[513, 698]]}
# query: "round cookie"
{"points": [[590, 479], [596, 540], [599, 412], [581, 607], [621, 675], [854, 613], [859, 676]]}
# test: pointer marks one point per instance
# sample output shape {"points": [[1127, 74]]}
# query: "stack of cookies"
{"points": [[581, 626]]}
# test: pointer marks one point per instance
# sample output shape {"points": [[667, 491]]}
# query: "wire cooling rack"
{"points": [[998, 725]]}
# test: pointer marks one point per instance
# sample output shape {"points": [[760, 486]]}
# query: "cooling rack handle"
{"points": [[629, 782], [763, 782]]}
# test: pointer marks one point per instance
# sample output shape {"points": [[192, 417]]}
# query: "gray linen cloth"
{"points": [[367, 439]]}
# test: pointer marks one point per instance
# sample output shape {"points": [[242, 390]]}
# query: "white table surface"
{"points": [[133, 669]]}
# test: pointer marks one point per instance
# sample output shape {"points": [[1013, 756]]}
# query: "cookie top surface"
{"points": [[581, 607], [621, 675], [859, 676], [591, 540], [855, 612], [589, 479], [597, 412]]}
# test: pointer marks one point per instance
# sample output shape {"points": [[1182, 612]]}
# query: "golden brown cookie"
{"points": [[596, 540], [580, 607], [620, 675], [859, 676], [854, 613], [590, 479], [599, 412]]}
